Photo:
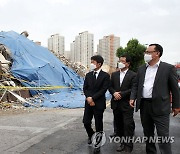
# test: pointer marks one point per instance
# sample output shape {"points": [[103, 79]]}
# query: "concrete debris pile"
{"points": [[78, 68], [11, 105], [8, 98], [5, 105], [5, 59], [36, 77], [5, 64]]}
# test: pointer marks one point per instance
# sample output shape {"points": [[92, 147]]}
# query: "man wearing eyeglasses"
{"points": [[154, 82]]}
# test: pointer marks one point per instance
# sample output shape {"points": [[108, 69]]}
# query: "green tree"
{"points": [[135, 50]]}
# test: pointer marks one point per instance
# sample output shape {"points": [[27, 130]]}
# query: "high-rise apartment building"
{"points": [[56, 44], [82, 48], [107, 48]]}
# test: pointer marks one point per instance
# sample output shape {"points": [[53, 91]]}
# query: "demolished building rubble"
{"points": [[78, 68], [24, 63]]}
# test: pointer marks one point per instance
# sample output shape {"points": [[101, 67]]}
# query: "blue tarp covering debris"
{"points": [[39, 67]]}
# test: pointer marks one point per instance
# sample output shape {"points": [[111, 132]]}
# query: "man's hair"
{"points": [[98, 59], [128, 58], [158, 48]]}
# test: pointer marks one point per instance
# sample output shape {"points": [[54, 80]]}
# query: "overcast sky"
{"points": [[150, 21]]}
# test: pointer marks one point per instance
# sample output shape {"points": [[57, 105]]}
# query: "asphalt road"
{"points": [[62, 132]]}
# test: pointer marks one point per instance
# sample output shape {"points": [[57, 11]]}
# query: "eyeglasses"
{"points": [[149, 52]]}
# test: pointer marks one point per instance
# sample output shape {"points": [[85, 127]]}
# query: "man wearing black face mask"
{"points": [[120, 89], [151, 90]]}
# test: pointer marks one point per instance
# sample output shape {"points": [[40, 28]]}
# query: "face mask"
{"points": [[121, 65], [92, 66], [147, 58]]}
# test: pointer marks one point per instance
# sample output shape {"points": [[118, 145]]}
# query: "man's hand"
{"points": [[92, 104], [175, 111], [117, 96], [89, 100], [131, 103]]}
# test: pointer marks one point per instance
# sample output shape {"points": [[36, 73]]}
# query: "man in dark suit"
{"points": [[95, 86], [114, 134], [120, 88], [154, 83]]}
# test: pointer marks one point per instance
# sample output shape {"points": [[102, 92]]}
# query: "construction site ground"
{"points": [[61, 131]]}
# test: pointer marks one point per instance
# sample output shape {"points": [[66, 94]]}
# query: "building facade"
{"points": [[107, 48], [82, 48], [72, 51], [67, 55], [56, 44]]}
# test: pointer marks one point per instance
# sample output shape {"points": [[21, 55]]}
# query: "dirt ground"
{"points": [[15, 109]]}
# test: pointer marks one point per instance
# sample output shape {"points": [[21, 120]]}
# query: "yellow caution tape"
{"points": [[33, 88], [48, 87]]}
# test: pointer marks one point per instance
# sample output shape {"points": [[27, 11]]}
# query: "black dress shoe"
{"points": [[89, 141], [113, 135], [96, 150], [120, 148]]}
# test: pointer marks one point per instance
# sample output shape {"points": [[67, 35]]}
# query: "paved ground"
{"points": [[60, 131]]}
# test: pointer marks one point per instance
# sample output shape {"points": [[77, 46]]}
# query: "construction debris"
{"points": [[78, 68], [48, 80], [25, 33], [5, 105], [6, 101]]}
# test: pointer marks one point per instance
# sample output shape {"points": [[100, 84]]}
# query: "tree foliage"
{"points": [[135, 50]]}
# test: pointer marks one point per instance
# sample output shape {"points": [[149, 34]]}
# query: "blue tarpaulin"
{"points": [[39, 67]]}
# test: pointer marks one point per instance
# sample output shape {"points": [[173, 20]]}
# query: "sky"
{"points": [[149, 21]]}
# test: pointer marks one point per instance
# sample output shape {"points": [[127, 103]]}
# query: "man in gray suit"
{"points": [[154, 82]]}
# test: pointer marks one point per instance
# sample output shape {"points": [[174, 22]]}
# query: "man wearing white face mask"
{"points": [[95, 86], [92, 67], [120, 89], [154, 82]]}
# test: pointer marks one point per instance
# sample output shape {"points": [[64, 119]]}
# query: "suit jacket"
{"points": [[96, 88], [125, 89], [166, 81]]}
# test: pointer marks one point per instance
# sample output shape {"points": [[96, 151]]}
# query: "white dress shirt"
{"points": [[122, 75], [151, 72], [97, 72]]}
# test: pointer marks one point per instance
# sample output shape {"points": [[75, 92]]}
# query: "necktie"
{"points": [[94, 74]]}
